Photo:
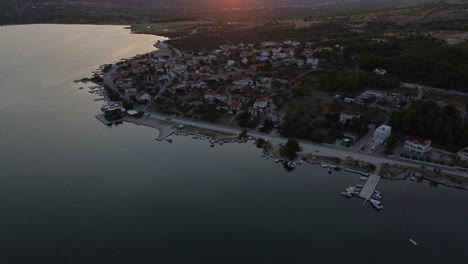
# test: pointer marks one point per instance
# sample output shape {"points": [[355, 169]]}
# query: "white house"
{"points": [[346, 116], [382, 133], [418, 147]]}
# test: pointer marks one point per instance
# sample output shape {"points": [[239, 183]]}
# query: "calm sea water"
{"points": [[75, 191]]}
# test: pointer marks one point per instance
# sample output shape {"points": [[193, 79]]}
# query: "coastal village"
{"points": [[251, 87]]}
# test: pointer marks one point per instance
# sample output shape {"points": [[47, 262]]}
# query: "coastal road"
{"points": [[313, 147]]}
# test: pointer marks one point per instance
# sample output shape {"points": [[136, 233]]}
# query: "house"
{"points": [[256, 112], [461, 107], [142, 96], [231, 63], [244, 82], [277, 117], [346, 116], [204, 69], [372, 93], [130, 92], [212, 96], [235, 107], [419, 147], [261, 102], [382, 133], [177, 87], [199, 85]]}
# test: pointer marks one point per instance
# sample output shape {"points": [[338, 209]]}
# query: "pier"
{"points": [[371, 183]]}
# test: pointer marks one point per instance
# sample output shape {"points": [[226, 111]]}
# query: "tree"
{"points": [[290, 149]]}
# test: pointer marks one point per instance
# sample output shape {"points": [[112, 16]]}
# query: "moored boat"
{"points": [[377, 204]]}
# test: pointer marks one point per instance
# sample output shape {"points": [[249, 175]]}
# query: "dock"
{"points": [[369, 187], [371, 183]]}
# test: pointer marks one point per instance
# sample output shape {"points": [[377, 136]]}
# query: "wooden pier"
{"points": [[369, 187]]}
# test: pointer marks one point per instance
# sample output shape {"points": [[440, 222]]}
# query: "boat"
{"points": [[363, 178], [376, 196], [292, 164], [212, 144], [413, 242], [377, 204], [169, 139], [346, 194], [324, 165], [301, 161], [411, 178], [329, 170], [277, 160], [358, 186]]}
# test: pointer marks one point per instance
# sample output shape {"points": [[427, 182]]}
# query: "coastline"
{"points": [[309, 148]]}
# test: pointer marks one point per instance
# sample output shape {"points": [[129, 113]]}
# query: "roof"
{"points": [[261, 100], [140, 92], [458, 105], [212, 94], [420, 142]]}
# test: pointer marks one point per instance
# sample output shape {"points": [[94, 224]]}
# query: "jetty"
{"points": [[370, 185]]}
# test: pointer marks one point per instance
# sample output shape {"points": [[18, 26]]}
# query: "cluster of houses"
{"points": [[180, 73]]}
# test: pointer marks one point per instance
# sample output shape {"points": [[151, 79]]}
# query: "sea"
{"points": [[73, 190]]}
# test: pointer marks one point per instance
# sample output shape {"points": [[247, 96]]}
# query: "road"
{"points": [[313, 147]]}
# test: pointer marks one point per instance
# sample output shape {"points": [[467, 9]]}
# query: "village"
{"points": [[252, 86]]}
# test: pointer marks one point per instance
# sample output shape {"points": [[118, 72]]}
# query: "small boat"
{"points": [[212, 144], [346, 194], [411, 178], [413, 242], [377, 196], [324, 165], [292, 164], [169, 139], [329, 170], [277, 160], [363, 178], [377, 204], [377, 192], [300, 161], [358, 186]]}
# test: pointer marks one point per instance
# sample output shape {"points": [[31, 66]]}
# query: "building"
{"points": [[345, 117], [261, 102], [417, 146], [235, 107], [277, 117], [382, 133], [142, 96], [212, 96]]}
